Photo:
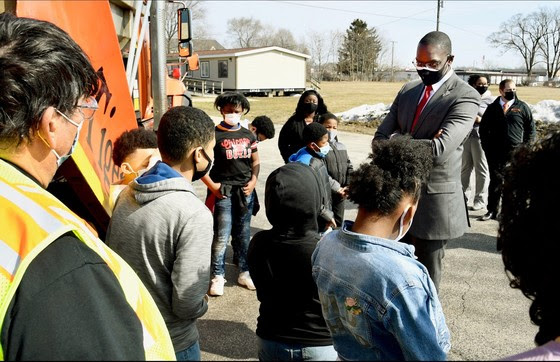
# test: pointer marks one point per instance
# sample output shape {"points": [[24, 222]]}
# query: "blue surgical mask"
{"points": [[60, 159], [323, 150]]}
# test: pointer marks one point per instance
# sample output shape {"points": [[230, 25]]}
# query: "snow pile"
{"points": [[365, 113], [547, 110]]}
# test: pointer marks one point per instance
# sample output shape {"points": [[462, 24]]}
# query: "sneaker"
{"points": [[217, 286], [477, 206], [487, 216], [245, 280]]}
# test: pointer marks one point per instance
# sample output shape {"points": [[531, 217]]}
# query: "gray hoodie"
{"points": [[164, 232]]}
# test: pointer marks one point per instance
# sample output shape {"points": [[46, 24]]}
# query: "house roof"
{"points": [[206, 44], [238, 52]]}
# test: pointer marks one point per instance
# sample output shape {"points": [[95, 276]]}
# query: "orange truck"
{"points": [[104, 29]]}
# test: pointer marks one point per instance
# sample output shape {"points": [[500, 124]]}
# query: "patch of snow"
{"points": [[365, 113], [547, 110]]}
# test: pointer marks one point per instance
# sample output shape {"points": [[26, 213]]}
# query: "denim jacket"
{"points": [[378, 301]]}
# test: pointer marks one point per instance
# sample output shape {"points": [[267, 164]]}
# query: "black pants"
{"points": [[430, 253], [338, 208], [496, 168]]}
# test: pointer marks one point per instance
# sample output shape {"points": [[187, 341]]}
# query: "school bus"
{"points": [[126, 51]]}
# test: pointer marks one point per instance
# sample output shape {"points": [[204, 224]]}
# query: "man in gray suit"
{"points": [[438, 109]]}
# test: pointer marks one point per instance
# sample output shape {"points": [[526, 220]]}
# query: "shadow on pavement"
{"points": [[474, 241], [223, 338]]}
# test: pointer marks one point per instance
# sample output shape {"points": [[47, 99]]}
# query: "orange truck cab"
{"points": [[104, 29]]}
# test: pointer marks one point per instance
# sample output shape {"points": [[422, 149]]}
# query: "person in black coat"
{"points": [[290, 321], [309, 107], [506, 124]]}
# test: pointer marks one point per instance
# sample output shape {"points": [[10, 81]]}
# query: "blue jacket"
{"points": [[378, 301]]}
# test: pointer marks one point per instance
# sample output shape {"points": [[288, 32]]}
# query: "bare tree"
{"points": [[198, 14], [285, 39], [319, 51], [522, 34], [246, 32], [549, 46]]}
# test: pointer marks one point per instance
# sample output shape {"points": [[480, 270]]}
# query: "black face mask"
{"points": [[509, 95], [200, 174], [309, 108], [482, 89], [430, 77]]}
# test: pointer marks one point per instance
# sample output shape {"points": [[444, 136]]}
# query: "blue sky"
{"points": [[468, 23]]}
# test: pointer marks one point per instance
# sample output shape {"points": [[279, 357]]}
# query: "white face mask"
{"points": [[401, 226], [153, 160], [151, 163], [332, 134], [232, 118]]}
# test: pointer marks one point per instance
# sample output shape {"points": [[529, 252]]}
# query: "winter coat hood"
{"points": [[293, 200], [158, 181]]}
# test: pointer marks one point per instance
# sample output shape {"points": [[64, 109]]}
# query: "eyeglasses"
{"points": [[88, 108], [432, 65]]}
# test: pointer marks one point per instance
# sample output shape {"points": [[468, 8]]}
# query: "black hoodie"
{"points": [[280, 259]]}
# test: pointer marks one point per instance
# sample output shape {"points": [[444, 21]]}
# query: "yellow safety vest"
{"points": [[30, 220]]}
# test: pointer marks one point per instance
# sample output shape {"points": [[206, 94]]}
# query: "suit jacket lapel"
{"points": [[441, 93]]}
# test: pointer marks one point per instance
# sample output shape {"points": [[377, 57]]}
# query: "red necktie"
{"points": [[421, 106]]}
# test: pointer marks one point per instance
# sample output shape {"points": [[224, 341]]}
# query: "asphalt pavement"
{"points": [[487, 319]]}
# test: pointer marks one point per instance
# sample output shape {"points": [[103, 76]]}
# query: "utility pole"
{"points": [[439, 5], [392, 60]]}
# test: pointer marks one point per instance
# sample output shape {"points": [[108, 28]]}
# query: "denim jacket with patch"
{"points": [[378, 301]]}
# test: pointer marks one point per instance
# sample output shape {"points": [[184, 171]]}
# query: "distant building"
{"points": [[266, 70], [494, 76]]}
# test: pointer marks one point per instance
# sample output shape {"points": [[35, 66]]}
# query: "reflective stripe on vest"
{"points": [[30, 220]]}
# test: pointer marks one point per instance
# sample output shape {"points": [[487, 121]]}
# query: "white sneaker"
{"points": [[245, 280], [217, 286], [477, 206]]}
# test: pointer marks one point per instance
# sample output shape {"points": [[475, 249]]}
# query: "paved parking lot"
{"points": [[487, 319]]}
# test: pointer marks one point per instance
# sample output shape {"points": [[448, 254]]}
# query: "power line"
{"points": [[357, 12]]}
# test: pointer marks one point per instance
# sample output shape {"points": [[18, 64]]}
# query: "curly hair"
{"points": [[41, 66], [264, 126], [313, 132], [131, 140], [527, 237], [474, 77], [321, 106], [237, 99], [180, 130], [397, 167]]}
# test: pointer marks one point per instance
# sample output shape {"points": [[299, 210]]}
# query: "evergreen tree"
{"points": [[360, 51]]}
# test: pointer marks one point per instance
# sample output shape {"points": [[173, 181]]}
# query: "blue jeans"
{"points": [[192, 353], [279, 351], [230, 220]]}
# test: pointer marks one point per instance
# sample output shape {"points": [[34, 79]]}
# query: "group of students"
{"points": [[353, 293]]}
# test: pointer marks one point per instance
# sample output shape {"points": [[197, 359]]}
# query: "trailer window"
{"points": [[204, 69], [222, 68]]}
